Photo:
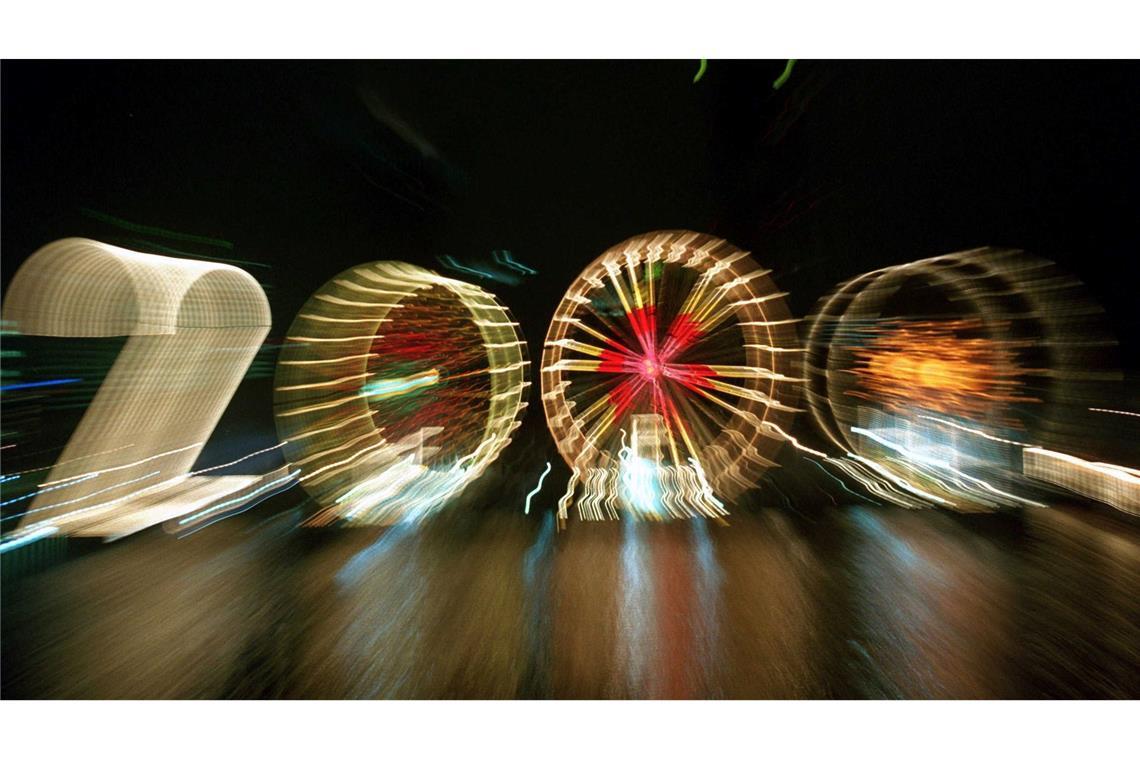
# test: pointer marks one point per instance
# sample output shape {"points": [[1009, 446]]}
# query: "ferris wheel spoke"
{"points": [[683, 332], [679, 423], [571, 344], [675, 406], [696, 293], [722, 291], [599, 405], [649, 278], [704, 308], [746, 393], [749, 417], [610, 342], [688, 375], [703, 302], [646, 312], [704, 421], [640, 317], [631, 264], [664, 404], [585, 365], [680, 371], [752, 422], [732, 308], [594, 434], [625, 338], [627, 392]]}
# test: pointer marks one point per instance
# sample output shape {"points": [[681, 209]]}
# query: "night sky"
{"points": [[312, 167]]}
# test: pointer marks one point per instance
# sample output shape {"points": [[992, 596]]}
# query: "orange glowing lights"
{"points": [[910, 365]]}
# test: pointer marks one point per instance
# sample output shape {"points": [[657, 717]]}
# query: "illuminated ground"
{"points": [[815, 601]]}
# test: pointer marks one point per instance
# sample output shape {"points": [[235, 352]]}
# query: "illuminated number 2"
{"points": [[194, 329]]}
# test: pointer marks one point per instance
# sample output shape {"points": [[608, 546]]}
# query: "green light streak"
{"points": [[701, 70], [784, 77]]}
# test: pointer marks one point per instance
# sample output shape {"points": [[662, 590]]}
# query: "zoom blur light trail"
{"points": [[677, 341], [1109, 483], [383, 389], [396, 388]]}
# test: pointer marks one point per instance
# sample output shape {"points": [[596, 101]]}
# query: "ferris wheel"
{"points": [[672, 349]]}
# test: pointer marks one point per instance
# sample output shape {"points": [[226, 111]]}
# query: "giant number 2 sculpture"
{"points": [[193, 327]]}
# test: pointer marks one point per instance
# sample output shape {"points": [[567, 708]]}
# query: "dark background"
{"points": [[312, 167]]}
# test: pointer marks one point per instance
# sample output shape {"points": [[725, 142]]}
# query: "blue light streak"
{"points": [[27, 538], [451, 262], [504, 257], [237, 500], [40, 384], [68, 484]]}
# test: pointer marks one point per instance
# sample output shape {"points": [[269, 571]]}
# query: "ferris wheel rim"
{"points": [[735, 269]]}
